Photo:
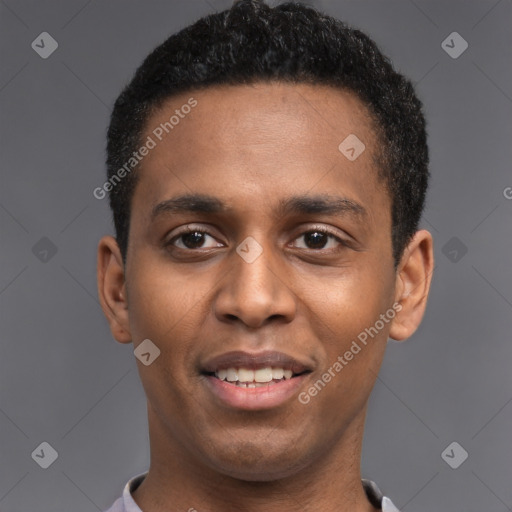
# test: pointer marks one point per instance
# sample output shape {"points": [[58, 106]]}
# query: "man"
{"points": [[267, 172]]}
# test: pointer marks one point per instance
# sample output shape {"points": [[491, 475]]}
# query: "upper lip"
{"points": [[254, 361]]}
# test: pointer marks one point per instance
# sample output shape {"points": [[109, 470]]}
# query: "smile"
{"points": [[249, 378], [254, 381]]}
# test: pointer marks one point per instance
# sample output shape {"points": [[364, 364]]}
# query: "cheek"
{"points": [[353, 334], [354, 300], [163, 301], [164, 307]]}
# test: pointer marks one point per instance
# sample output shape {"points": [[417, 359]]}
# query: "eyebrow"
{"points": [[321, 204], [305, 204], [189, 203]]}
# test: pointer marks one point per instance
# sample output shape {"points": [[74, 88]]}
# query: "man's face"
{"points": [[308, 295]]}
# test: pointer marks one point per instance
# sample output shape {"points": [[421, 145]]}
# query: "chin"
{"points": [[253, 462], [265, 471]]}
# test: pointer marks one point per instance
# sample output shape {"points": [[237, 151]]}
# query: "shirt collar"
{"points": [[377, 499]]}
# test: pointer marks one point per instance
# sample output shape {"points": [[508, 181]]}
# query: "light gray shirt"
{"points": [[126, 503]]}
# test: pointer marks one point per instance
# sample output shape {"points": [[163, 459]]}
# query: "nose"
{"points": [[255, 292]]}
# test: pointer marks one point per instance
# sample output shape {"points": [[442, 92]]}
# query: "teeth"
{"points": [[231, 375], [277, 373], [250, 384], [263, 375], [245, 377]]}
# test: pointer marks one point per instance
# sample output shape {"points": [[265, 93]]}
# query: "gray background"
{"points": [[64, 380]]}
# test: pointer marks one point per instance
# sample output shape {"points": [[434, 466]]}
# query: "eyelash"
{"points": [[314, 229]]}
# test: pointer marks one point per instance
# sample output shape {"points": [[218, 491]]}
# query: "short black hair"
{"points": [[291, 42]]}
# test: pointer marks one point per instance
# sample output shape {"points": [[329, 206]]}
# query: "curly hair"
{"points": [[291, 42]]}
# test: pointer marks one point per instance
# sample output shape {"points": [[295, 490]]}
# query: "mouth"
{"points": [[254, 381], [249, 378]]}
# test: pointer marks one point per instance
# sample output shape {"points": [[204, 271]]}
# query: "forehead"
{"points": [[255, 115], [260, 141]]}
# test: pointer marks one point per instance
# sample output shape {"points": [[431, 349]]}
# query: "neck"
{"points": [[177, 480]]}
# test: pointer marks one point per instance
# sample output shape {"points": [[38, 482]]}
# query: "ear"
{"points": [[112, 288], [414, 275]]}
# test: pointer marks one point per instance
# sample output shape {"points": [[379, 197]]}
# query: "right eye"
{"points": [[191, 238]]}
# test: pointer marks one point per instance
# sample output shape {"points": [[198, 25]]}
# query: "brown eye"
{"points": [[316, 239], [319, 239], [193, 238]]}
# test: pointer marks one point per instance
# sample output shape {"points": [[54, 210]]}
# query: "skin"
{"points": [[252, 146]]}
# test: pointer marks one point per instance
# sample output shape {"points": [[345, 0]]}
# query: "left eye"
{"points": [[318, 239]]}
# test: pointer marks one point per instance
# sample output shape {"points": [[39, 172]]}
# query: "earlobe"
{"points": [[414, 276], [112, 288]]}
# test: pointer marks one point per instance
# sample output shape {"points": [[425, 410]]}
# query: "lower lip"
{"points": [[250, 399]]}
